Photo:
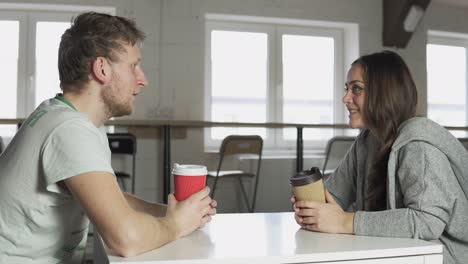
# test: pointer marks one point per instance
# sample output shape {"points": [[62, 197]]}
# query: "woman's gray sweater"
{"points": [[427, 187]]}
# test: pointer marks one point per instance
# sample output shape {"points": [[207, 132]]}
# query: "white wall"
{"points": [[173, 58]]}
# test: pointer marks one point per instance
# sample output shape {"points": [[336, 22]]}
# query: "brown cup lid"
{"points": [[305, 177]]}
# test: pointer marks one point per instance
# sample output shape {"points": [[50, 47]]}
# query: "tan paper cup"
{"points": [[308, 185], [188, 179]]}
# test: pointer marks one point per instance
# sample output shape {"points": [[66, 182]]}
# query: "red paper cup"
{"points": [[188, 179]]}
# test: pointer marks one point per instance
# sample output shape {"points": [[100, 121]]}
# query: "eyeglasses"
{"points": [[355, 89]]}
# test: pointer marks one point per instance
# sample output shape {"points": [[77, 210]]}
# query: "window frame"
{"points": [[435, 37], [21, 78], [32, 74], [234, 26], [28, 15], [342, 33], [338, 83]]}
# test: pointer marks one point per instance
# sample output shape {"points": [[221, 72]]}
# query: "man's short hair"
{"points": [[92, 35]]}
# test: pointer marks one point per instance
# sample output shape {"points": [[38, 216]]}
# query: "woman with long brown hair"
{"points": [[404, 176]]}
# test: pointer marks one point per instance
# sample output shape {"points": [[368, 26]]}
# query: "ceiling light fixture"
{"points": [[413, 18]]}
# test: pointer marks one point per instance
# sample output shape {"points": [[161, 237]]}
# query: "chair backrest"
{"points": [[336, 149], [239, 144], [234, 146], [122, 143], [125, 144]]}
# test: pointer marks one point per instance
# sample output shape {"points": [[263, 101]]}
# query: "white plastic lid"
{"points": [[189, 169]]}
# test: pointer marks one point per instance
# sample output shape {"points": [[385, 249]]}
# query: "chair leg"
{"points": [[133, 176], [214, 187], [244, 194], [122, 183], [254, 199]]}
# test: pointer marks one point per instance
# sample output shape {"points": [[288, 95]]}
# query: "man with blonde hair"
{"points": [[56, 172]]}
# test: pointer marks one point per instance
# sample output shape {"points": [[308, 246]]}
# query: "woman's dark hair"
{"points": [[391, 99], [92, 35]]}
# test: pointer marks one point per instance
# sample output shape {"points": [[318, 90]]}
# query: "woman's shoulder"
{"points": [[422, 129], [418, 124], [427, 132]]}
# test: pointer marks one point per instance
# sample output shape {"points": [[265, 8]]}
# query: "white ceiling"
{"points": [[455, 3]]}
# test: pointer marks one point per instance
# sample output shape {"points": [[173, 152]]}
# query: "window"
{"points": [[447, 86], [28, 52], [239, 92], [308, 83], [47, 43], [9, 68], [274, 70]]}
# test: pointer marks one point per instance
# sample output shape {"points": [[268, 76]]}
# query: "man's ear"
{"points": [[101, 70]]}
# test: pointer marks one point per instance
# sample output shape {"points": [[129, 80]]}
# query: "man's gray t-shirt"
{"points": [[40, 221]]}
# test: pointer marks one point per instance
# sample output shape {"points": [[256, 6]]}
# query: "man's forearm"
{"points": [[142, 232], [140, 205], [127, 224]]}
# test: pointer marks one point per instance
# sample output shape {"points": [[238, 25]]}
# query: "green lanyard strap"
{"points": [[64, 100]]}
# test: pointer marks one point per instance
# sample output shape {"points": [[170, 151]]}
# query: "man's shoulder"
{"points": [[51, 114]]}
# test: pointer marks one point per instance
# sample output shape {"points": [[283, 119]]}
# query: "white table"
{"points": [[276, 238]]}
